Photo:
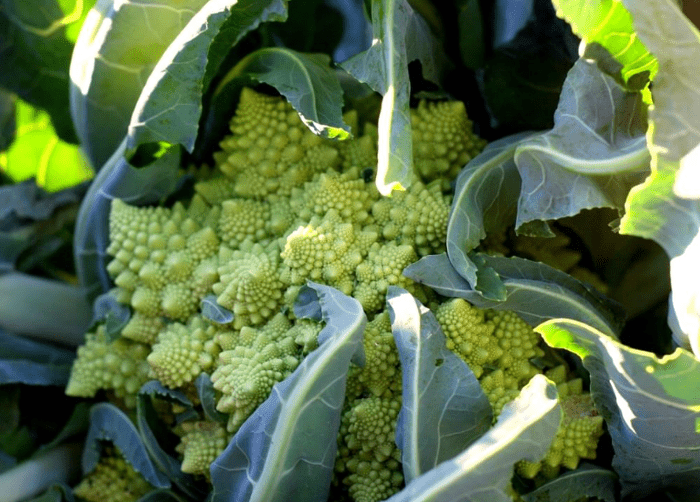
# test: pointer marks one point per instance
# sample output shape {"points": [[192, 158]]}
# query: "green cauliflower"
{"points": [[283, 206]]}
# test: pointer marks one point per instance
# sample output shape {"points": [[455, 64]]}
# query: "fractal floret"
{"points": [[211, 285], [112, 480]]}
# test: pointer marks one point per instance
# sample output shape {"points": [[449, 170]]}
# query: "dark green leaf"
{"points": [[33, 363], [36, 43]]}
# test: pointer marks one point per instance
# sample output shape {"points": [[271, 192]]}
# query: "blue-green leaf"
{"points": [[154, 433], [207, 396], [291, 438], [109, 423], [594, 154], [170, 105], [587, 481], [306, 80], [400, 36], [535, 291], [651, 406], [116, 51], [214, 312], [443, 408], [483, 472], [486, 197], [26, 361]]}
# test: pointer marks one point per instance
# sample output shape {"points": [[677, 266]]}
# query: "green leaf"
{"points": [[443, 408], [37, 152], [118, 47], [485, 201], [290, 439], [36, 42], [535, 291], [608, 23], [170, 106], [306, 80], [483, 472], [593, 156], [665, 207], [587, 481], [400, 36], [651, 406], [109, 423]]}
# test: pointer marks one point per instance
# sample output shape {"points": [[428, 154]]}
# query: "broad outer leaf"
{"points": [[117, 180], [658, 209], [535, 291], [589, 481], [118, 47], [608, 23], [400, 36], [107, 422], [443, 408], [170, 105], [306, 80], [482, 473], [593, 156], [36, 42], [486, 197], [651, 406], [291, 438]]}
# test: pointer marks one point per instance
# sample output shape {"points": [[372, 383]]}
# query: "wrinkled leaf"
{"points": [[485, 201], [654, 209], [207, 397], [609, 24], [57, 492], [214, 312], [587, 481], [109, 423], [37, 152], [651, 406], [170, 106], [306, 80], [482, 473], [535, 291], [400, 36], [117, 180], [443, 408], [26, 361], [36, 42], [162, 496], [118, 47], [291, 437], [592, 157]]}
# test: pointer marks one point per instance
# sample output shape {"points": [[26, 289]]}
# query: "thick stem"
{"points": [[43, 308], [31, 477]]}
